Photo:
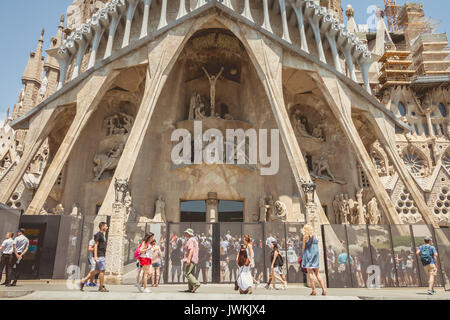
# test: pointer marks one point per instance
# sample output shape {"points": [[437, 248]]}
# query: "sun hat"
{"points": [[189, 232]]}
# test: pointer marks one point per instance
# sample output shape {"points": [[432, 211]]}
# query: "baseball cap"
{"points": [[22, 230], [427, 238]]}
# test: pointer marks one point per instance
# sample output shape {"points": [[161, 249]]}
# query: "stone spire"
{"points": [[31, 80], [351, 24], [51, 66]]}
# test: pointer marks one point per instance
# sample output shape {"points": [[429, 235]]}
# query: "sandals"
{"points": [[324, 293], [313, 293]]}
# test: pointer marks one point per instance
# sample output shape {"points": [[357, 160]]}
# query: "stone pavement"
{"points": [[57, 290]]}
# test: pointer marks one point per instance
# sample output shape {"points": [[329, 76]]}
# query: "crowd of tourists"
{"points": [[191, 256]]}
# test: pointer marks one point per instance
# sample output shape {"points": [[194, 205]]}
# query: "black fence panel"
{"points": [[442, 239], [359, 254], [383, 254], [294, 252], [337, 258]]}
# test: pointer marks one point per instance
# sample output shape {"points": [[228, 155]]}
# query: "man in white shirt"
{"points": [[6, 261], [21, 244]]}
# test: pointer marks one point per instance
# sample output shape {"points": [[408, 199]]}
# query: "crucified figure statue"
{"points": [[212, 81]]}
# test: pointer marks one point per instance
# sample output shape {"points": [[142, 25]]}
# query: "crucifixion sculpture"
{"points": [[212, 82]]}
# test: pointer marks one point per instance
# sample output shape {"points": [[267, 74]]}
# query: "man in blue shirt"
{"points": [[428, 255]]}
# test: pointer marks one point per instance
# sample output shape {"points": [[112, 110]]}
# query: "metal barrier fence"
{"points": [[351, 249]]}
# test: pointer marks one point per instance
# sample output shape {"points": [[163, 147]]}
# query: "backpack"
{"points": [[137, 253], [426, 255], [280, 259]]}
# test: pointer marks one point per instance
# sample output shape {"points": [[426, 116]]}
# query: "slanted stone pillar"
{"points": [[212, 208]]}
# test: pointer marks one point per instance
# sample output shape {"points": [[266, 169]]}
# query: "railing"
{"points": [[307, 12]]}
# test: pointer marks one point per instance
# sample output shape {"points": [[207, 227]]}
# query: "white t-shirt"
{"points": [[91, 254], [8, 246], [21, 243]]}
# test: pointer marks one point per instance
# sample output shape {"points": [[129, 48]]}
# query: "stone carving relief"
{"points": [[322, 170], [212, 82], [271, 210], [349, 211], [446, 161], [406, 208], [280, 212], [119, 124], [415, 162], [301, 124], [58, 210], [108, 161], [373, 215], [121, 189], [197, 109], [380, 160]]}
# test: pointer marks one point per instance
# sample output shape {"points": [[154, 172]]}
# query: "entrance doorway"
{"points": [[231, 211], [193, 211]]}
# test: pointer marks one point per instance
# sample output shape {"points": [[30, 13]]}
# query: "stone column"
{"points": [[212, 208], [115, 249], [429, 123]]}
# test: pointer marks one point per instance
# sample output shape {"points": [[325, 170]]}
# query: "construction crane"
{"points": [[391, 10]]}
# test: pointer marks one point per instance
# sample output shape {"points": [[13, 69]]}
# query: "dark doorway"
{"points": [[231, 211], [193, 211]]}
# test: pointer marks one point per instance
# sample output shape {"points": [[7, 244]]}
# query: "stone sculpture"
{"points": [[121, 188], [262, 209], [212, 82], [59, 210], [108, 161], [280, 212], [321, 169], [373, 215], [128, 200], [160, 210]]}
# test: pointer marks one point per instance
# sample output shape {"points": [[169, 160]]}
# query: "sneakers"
{"points": [[431, 292], [285, 287], [103, 289], [195, 288], [93, 284], [267, 287], [139, 287], [147, 290]]}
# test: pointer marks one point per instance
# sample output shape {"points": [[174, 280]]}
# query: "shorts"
{"points": [[156, 265], [223, 264], [430, 269], [278, 270], [101, 264], [145, 262], [208, 264], [91, 263]]}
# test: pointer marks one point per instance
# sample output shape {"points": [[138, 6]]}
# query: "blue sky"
{"points": [[21, 22]]}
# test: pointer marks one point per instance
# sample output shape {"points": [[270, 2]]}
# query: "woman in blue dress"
{"points": [[310, 260]]}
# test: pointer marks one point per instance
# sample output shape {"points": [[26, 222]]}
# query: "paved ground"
{"points": [[34, 290]]}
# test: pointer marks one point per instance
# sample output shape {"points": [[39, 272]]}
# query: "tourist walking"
{"points": [[428, 255], [99, 258], [276, 268], [248, 243], [190, 260], [245, 279], [92, 282], [310, 260], [145, 259], [155, 269], [21, 244], [175, 258], [7, 260]]}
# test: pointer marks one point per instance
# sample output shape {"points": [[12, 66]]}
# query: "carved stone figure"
{"points": [[321, 167], [75, 211], [107, 161], [373, 215], [336, 208], [128, 202], [270, 208], [262, 209], [121, 188], [160, 210], [43, 89], [280, 212], [361, 208], [212, 82], [59, 210], [118, 124], [318, 132]]}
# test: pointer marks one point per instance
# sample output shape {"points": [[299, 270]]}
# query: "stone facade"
{"points": [[133, 73]]}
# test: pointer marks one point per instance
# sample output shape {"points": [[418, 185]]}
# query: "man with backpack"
{"points": [[428, 255]]}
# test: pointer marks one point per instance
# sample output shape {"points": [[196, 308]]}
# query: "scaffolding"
{"points": [[391, 10]]}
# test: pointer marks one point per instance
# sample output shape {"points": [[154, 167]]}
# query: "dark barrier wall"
{"points": [[352, 251], [43, 234]]}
